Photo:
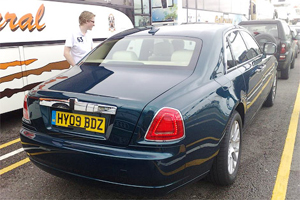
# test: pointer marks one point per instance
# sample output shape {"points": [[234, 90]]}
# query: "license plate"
{"points": [[89, 123]]}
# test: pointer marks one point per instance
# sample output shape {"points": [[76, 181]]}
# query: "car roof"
{"points": [[268, 21], [191, 30], [197, 30]]}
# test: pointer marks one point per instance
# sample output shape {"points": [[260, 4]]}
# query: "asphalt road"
{"points": [[263, 144]]}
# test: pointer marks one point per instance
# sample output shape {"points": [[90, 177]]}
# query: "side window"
{"points": [[229, 60], [238, 47], [253, 48], [287, 31]]}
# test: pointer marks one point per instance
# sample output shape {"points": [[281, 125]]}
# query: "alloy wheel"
{"points": [[234, 147], [274, 89]]}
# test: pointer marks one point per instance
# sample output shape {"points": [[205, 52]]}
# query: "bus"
{"points": [[195, 11], [32, 36]]}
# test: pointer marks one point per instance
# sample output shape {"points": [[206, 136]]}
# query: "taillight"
{"points": [[167, 125], [25, 110], [283, 49]]}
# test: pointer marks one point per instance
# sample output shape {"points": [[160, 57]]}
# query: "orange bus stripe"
{"points": [[51, 66], [16, 63]]}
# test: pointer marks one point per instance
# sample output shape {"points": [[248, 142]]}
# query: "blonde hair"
{"points": [[85, 16]]}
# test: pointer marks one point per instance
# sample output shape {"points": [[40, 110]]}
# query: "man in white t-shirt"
{"points": [[80, 42]]}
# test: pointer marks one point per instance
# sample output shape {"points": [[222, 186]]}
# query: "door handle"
{"points": [[260, 68]]}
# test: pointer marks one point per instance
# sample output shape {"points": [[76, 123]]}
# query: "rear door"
{"points": [[245, 53], [262, 64]]}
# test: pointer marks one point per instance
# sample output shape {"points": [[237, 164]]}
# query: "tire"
{"points": [[263, 38], [271, 97], [285, 73], [293, 63], [226, 163]]}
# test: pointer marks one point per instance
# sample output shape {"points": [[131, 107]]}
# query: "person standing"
{"points": [[80, 42]]}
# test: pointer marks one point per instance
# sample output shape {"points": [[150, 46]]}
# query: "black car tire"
{"points": [[263, 38], [219, 173], [285, 73], [271, 97], [293, 63]]}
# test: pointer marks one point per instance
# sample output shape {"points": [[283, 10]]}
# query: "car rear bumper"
{"points": [[159, 168], [283, 64]]}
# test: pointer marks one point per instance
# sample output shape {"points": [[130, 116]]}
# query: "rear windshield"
{"points": [[256, 29], [147, 51]]}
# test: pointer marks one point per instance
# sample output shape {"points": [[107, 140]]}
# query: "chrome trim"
{"points": [[225, 55], [26, 120], [80, 106], [51, 102]]}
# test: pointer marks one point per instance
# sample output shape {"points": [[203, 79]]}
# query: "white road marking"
{"points": [[11, 154]]}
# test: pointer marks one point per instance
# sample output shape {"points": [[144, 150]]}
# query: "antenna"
{"points": [[153, 30]]}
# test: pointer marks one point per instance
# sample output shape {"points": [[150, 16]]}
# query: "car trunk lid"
{"points": [[99, 113]]}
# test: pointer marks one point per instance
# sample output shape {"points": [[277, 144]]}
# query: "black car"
{"points": [[152, 109], [276, 31]]}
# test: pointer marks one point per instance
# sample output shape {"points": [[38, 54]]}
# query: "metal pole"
{"points": [[250, 10]]}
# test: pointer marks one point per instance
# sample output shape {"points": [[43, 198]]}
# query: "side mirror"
{"points": [[297, 37], [269, 48]]}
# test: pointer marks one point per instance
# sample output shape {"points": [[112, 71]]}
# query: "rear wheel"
{"points": [[285, 73], [293, 63], [271, 97], [225, 166]]}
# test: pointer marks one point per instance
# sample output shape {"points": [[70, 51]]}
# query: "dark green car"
{"points": [[152, 109]]}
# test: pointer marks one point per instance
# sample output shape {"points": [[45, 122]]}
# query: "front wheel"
{"points": [[225, 166]]}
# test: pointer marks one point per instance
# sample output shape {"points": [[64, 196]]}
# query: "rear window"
{"points": [[147, 51], [256, 29]]}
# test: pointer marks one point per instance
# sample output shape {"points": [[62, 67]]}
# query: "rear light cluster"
{"points": [[25, 110], [282, 51], [167, 125]]}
